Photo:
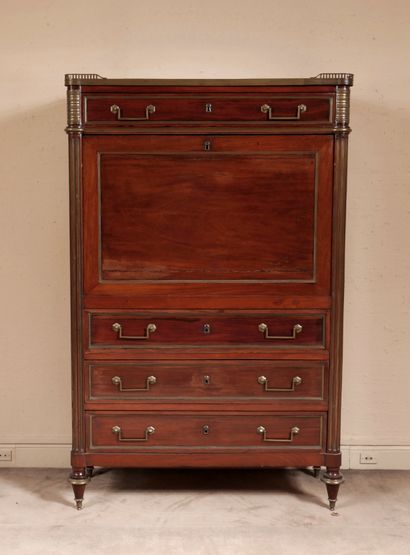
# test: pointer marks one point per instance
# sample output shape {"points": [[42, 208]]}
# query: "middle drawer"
{"points": [[205, 380]]}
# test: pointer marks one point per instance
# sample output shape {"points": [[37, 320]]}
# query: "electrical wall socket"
{"points": [[6, 454], [368, 457]]}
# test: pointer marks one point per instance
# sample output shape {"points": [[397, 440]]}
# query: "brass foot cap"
{"points": [[331, 480]]}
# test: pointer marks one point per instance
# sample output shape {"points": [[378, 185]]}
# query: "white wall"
{"points": [[42, 40]]}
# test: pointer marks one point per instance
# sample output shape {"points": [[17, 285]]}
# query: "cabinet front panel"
{"points": [[163, 211], [145, 330], [151, 431], [213, 380]]}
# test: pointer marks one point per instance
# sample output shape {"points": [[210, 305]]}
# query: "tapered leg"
{"points": [[79, 479], [332, 478], [316, 471]]}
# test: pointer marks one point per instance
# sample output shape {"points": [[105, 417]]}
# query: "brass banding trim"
{"points": [[332, 481], [79, 481]]}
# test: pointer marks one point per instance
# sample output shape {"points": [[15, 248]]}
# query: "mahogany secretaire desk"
{"points": [[207, 262]]}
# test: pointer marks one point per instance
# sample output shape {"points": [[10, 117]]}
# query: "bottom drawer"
{"points": [[149, 431]]}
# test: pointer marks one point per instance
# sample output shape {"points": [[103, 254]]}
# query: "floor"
{"points": [[210, 512]]}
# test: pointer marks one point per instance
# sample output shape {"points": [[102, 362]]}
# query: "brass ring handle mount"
{"points": [[151, 328], [296, 380], [293, 431], [151, 380], [150, 109], [149, 430], [266, 109], [263, 328]]}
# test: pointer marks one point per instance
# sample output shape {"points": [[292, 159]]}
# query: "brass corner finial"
{"points": [[71, 78], [346, 78], [343, 82]]}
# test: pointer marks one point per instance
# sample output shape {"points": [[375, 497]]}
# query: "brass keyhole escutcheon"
{"points": [[206, 328], [206, 380], [205, 430]]}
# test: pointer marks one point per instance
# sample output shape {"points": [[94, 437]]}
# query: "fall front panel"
{"points": [[162, 210]]}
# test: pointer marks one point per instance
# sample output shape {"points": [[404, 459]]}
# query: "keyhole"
{"points": [[207, 145], [207, 380], [206, 328], [205, 430], [208, 107]]}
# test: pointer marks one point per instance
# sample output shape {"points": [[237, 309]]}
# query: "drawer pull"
{"points": [[151, 380], [149, 430], [115, 109], [263, 380], [263, 328], [293, 431], [266, 109], [149, 329]]}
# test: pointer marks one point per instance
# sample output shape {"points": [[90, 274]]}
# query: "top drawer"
{"points": [[154, 109], [173, 329]]}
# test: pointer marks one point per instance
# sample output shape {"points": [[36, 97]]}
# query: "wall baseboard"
{"points": [[386, 457], [37, 455]]}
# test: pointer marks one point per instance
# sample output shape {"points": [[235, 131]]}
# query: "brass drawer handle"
{"points": [[115, 109], [293, 431], [149, 430], [151, 380], [149, 329], [263, 328], [263, 380], [266, 109]]}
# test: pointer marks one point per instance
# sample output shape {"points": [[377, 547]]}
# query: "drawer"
{"points": [[153, 431], [205, 380], [139, 330], [265, 109]]}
